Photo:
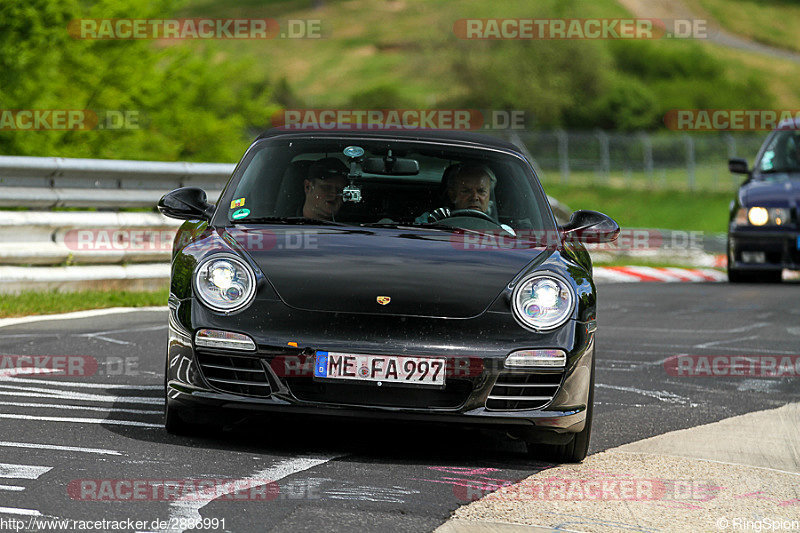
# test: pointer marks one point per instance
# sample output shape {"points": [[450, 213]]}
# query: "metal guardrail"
{"points": [[32, 242], [47, 182], [42, 249]]}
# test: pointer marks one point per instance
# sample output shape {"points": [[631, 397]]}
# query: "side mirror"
{"points": [[738, 165], [590, 226], [186, 203]]}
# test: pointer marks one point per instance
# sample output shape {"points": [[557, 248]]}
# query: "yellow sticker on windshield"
{"points": [[239, 202]]}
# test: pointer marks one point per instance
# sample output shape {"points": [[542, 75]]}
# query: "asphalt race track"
{"points": [[57, 433]]}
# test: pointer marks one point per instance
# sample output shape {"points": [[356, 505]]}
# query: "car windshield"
{"points": [[385, 183], [782, 154]]}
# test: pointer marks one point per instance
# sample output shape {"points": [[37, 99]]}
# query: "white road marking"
{"points": [[107, 339], [84, 384], [723, 341], [71, 395], [189, 509], [12, 488], [83, 408], [81, 420], [15, 510], [37, 446], [5, 322], [26, 371], [732, 348], [124, 330], [103, 335], [663, 396], [698, 331], [9, 470]]}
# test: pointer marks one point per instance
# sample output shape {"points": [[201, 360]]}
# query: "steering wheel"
{"points": [[472, 213]]}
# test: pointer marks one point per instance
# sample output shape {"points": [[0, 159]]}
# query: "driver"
{"points": [[323, 189], [467, 186]]}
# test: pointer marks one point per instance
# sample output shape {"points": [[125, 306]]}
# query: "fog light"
{"points": [[537, 358], [214, 338], [754, 257]]}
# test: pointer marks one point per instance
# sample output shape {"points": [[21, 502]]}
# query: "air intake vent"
{"points": [[517, 390], [235, 374]]}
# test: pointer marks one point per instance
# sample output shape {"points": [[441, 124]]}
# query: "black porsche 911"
{"points": [[764, 228], [409, 275]]}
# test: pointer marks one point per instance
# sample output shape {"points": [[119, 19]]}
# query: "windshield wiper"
{"points": [[288, 220]]}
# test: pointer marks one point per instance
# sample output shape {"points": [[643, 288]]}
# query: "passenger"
{"points": [[323, 189]]}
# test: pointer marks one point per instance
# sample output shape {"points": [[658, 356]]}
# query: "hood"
{"points": [[423, 272], [779, 192]]}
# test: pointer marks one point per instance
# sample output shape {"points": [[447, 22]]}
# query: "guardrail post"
{"points": [[690, 162], [647, 149], [563, 155], [730, 140], [605, 154]]}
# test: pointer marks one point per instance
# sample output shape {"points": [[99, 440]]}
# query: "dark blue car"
{"points": [[763, 236]]}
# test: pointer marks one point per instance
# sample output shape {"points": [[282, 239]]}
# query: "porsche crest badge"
{"points": [[384, 300]]}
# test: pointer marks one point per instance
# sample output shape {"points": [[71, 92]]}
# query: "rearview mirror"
{"points": [[590, 226], [391, 166], [738, 165], [186, 203]]}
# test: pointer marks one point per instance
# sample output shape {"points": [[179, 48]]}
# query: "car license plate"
{"points": [[382, 368]]}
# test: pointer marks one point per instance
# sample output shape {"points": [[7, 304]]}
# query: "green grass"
{"points": [[774, 23], [51, 302], [409, 45], [698, 211], [711, 178]]}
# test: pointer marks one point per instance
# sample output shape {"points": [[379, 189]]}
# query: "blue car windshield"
{"points": [[781, 155], [385, 182]]}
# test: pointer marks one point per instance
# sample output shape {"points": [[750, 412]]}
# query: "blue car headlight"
{"points": [[543, 301], [224, 283], [762, 216]]}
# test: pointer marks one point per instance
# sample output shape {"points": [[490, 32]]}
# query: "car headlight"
{"points": [[762, 216], [224, 283], [543, 301]]}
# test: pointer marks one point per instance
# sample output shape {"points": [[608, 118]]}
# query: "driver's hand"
{"points": [[439, 214]]}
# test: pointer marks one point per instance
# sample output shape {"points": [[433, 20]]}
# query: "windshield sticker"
{"points": [[239, 202], [241, 213]]}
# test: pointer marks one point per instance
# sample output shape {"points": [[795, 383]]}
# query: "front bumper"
{"points": [[781, 249], [201, 388]]}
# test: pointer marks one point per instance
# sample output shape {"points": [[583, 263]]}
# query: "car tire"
{"points": [[174, 417], [770, 276], [738, 276], [577, 448], [174, 423]]}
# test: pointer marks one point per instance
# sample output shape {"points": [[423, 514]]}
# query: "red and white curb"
{"points": [[627, 274]]}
